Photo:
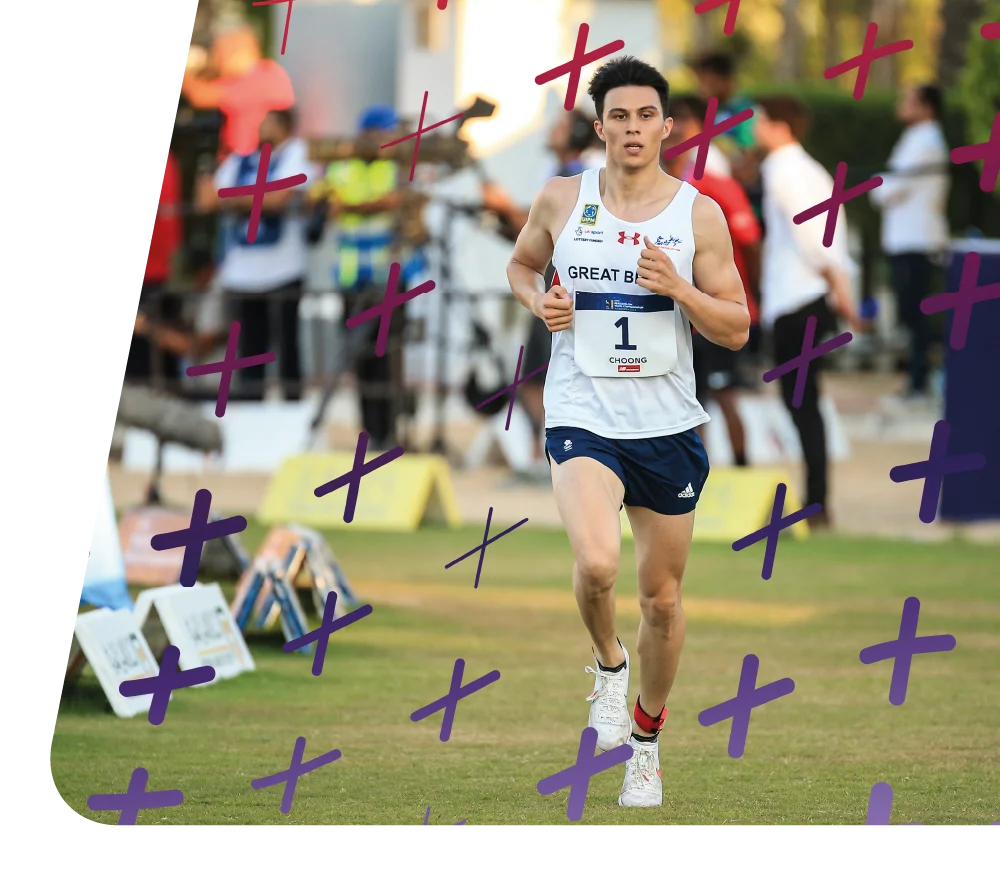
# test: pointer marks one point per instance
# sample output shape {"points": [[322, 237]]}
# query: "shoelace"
{"points": [[607, 692], [642, 769]]}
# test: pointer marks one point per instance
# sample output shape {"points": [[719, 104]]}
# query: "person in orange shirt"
{"points": [[716, 368], [247, 87]]}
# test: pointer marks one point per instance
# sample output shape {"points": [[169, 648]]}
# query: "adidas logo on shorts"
{"points": [[687, 493], [567, 445]]}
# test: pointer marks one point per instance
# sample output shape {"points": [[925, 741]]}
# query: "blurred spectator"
{"points": [[574, 142], [154, 350], [716, 74], [363, 195], [798, 274], [263, 280], [244, 88], [716, 368], [913, 198]]}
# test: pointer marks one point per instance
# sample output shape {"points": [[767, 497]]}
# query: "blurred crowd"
{"points": [[758, 172]]}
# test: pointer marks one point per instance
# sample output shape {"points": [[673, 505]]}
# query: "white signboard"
{"points": [[117, 652], [198, 623]]}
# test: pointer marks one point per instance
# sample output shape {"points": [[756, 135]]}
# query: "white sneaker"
{"points": [[643, 785], [609, 706]]}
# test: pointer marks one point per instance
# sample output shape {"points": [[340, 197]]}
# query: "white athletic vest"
{"points": [[623, 369]]}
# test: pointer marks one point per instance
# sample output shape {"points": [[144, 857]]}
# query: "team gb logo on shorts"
{"points": [[589, 215]]}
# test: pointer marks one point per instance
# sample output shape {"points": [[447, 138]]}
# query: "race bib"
{"points": [[624, 335]]}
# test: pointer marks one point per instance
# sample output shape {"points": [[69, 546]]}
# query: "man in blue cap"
{"points": [[363, 196]]}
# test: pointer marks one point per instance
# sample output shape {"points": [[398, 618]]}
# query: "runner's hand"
{"points": [[555, 308]]}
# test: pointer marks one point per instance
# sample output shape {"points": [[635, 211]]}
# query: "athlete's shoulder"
{"points": [[707, 217], [558, 195]]}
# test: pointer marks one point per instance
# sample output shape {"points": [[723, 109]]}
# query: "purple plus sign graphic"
{"points": [[748, 697], [703, 140], [513, 388], [259, 189], [880, 805], [427, 817], [449, 702], [135, 799], [773, 529], [933, 470], [383, 311], [863, 62], [831, 206], [801, 363], [227, 366], [577, 777], [352, 479], [482, 547], [902, 650], [163, 683], [962, 300], [575, 65], [296, 769], [989, 152], [193, 538], [731, 13], [420, 130], [328, 627]]}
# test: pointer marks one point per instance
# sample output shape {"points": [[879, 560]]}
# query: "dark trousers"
{"points": [[380, 379], [911, 280], [145, 361], [787, 339], [269, 321]]}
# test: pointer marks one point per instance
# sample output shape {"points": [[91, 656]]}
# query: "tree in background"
{"points": [[959, 17], [978, 90]]}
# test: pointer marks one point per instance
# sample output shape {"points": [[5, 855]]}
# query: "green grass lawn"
{"points": [[811, 757]]}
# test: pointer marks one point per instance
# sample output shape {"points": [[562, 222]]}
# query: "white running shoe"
{"points": [[643, 785], [609, 714]]}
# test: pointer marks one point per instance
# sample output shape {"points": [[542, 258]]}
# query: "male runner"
{"points": [[638, 255]]}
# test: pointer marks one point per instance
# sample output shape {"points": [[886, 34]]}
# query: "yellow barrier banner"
{"points": [[398, 497], [736, 502]]}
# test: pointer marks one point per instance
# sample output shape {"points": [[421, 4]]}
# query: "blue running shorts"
{"points": [[664, 474]]}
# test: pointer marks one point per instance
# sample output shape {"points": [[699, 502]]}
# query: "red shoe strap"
{"points": [[649, 723]]}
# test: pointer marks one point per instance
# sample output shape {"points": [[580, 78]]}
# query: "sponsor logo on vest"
{"points": [[669, 243], [623, 235], [629, 368], [590, 235], [589, 215]]}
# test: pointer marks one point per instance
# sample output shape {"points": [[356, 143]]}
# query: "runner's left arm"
{"points": [[716, 302]]}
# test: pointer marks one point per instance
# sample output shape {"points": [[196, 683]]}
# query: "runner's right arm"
{"points": [[532, 252]]}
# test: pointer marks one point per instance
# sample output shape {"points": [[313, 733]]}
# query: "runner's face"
{"points": [[633, 116]]}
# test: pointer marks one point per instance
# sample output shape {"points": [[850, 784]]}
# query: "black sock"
{"points": [[741, 460], [617, 668], [646, 739]]}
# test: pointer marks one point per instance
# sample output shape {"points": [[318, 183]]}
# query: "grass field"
{"points": [[811, 757]]}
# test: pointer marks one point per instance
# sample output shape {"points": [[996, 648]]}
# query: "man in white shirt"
{"points": [[263, 280], [800, 278], [913, 198]]}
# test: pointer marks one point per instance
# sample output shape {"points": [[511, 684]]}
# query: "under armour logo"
{"points": [[623, 235]]}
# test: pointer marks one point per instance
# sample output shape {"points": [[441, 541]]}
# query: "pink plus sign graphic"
{"points": [[577, 63], [838, 198], [989, 152], [731, 13], [420, 130], [288, 16], [863, 62], [259, 189]]}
